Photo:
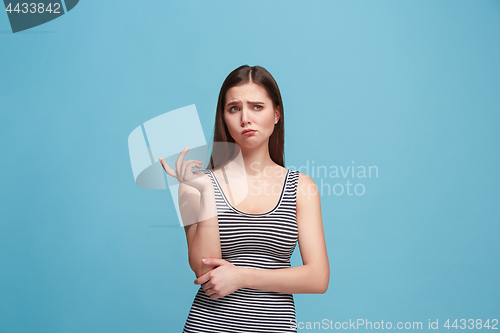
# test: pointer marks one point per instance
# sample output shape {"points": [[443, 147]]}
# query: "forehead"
{"points": [[247, 92]]}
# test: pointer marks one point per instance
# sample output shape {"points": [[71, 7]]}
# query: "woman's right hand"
{"points": [[184, 173]]}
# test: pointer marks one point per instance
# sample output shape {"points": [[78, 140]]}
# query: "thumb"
{"points": [[213, 261]]}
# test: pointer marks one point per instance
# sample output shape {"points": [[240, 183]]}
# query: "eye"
{"points": [[259, 107], [231, 108]]}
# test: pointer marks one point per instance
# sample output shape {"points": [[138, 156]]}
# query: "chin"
{"points": [[249, 144]]}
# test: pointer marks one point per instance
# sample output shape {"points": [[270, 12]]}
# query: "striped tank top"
{"points": [[260, 241]]}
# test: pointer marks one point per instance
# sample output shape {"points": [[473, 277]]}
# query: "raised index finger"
{"points": [[178, 162]]}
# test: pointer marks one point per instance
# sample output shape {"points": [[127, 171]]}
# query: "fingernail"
{"points": [[204, 260]]}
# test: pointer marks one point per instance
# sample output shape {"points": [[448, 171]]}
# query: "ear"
{"points": [[277, 115]]}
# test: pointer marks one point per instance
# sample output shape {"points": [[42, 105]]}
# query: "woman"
{"points": [[246, 278]]}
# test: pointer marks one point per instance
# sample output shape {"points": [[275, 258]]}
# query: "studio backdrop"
{"points": [[391, 107]]}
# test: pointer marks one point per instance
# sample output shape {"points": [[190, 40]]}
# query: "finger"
{"points": [[187, 162], [187, 167], [167, 168], [207, 285], [210, 291], [182, 170], [214, 261], [178, 162], [202, 279], [196, 164]]}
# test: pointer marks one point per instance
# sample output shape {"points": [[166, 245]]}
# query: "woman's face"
{"points": [[248, 106]]}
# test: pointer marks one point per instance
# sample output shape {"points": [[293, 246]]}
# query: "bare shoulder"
{"points": [[304, 179], [307, 192], [306, 183]]}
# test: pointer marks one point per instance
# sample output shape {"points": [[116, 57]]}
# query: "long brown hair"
{"points": [[221, 152]]}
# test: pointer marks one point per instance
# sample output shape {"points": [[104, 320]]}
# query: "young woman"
{"points": [[246, 280]]}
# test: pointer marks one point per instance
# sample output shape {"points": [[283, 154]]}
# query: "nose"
{"points": [[245, 116]]}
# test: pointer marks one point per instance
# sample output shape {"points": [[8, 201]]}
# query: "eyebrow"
{"points": [[249, 102]]}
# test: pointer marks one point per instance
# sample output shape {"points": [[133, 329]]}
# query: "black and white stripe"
{"points": [[260, 241]]}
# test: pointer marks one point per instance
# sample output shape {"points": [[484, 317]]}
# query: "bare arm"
{"points": [[199, 216], [314, 275], [198, 211]]}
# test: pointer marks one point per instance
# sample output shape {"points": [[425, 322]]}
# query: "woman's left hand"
{"points": [[220, 281]]}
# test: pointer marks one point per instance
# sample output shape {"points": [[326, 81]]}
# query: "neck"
{"points": [[254, 160]]}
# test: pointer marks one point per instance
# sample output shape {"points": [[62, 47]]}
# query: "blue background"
{"points": [[411, 87]]}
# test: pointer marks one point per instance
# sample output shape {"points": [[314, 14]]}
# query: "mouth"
{"points": [[248, 131]]}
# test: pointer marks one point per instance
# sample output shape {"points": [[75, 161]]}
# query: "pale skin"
{"points": [[249, 106]]}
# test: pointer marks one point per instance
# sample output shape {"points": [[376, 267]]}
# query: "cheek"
{"points": [[270, 121], [227, 120], [231, 124]]}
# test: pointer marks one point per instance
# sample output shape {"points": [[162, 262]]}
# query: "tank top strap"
{"points": [[292, 185], [217, 193]]}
